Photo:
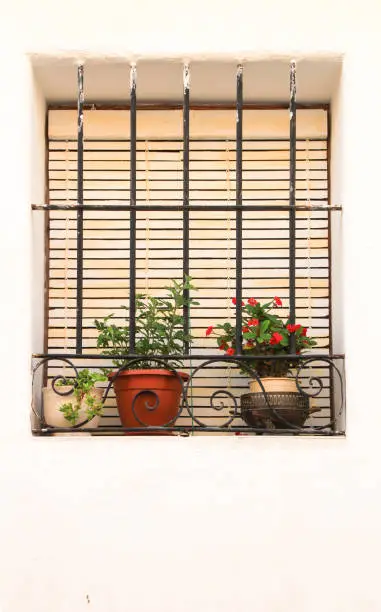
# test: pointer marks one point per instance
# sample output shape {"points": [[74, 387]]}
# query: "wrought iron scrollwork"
{"points": [[272, 413], [317, 383], [225, 404], [221, 392], [56, 389]]}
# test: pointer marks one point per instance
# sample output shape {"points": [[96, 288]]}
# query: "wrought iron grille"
{"points": [[317, 374]]}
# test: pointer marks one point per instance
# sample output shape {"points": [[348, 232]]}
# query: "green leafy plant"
{"points": [[83, 391], [263, 333], [159, 325]]}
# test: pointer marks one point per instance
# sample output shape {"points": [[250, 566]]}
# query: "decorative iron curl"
{"points": [[41, 417], [254, 375], [54, 381], [222, 406], [164, 365], [316, 380], [147, 406], [236, 413], [224, 392]]}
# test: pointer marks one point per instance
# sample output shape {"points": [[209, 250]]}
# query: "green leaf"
{"points": [[250, 335], [159, 325], [264, 326]]}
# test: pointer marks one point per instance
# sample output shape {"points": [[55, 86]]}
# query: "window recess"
{"points": [[235, 197]]}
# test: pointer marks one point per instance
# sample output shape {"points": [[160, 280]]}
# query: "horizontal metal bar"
{"points": [[68, 186], [206, 357], [168, 238], [106, 145], [219, 368], [141, 228], [175, 229], [177, 189], [171, 204], [207, 106], [187, 430], [177, 150], [195, 318], [209, 208], [199, 170], [219, 257]]}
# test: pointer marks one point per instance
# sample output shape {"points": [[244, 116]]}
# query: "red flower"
{"points": [[245, 329], [253, 322], [304, 331], [234, 300], [252, 302], [230, 351], [223, 346], [278, 301], [276, 338], [209, 330], [249, 344], [293, 328]]}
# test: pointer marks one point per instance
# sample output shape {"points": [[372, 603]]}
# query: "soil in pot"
{"points": [[148, 397]]}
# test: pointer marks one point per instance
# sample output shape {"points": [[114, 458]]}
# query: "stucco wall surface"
{"points": [[224, 523]]}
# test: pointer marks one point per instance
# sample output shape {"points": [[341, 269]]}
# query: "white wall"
{"points": [[38, 155], [203, 524]]}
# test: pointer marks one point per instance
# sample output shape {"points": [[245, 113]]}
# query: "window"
{"points": [[187, 218]]}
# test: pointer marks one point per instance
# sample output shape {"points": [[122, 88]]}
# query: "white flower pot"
{"points": [[52, 403]]}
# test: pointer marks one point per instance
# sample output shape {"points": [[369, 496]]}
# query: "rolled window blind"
{"points": [[212, 232]]}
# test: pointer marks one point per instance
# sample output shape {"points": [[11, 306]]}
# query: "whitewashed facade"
{"points": [[200, 523]]}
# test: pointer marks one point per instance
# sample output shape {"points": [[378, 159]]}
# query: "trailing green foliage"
{"points": [[83, 391]]}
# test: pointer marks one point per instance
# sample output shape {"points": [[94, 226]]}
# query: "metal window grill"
{"points": [[319, 374]]}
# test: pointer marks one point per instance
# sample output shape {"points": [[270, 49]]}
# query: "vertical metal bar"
{"points": [[132, 322], [238, 233], [46, 250], [186, 77], [331, 374], [292, 216], [79, 304]]}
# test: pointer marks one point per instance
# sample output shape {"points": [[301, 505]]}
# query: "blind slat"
{"points": [[212, 233]]}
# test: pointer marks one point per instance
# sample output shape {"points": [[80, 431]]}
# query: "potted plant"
{"points": [[148, 395], [265, 333], [72, 402]]}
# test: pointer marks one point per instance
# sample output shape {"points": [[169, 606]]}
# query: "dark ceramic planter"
{"points": [[280, 411]]}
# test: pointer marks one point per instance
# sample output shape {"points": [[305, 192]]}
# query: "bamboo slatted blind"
{"points": [[212, 232]]}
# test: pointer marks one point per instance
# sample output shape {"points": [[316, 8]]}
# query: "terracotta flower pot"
{"points": [[52, 403], [148, 397]]}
